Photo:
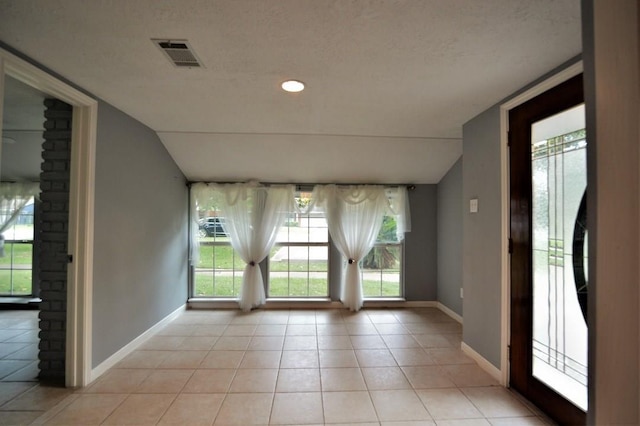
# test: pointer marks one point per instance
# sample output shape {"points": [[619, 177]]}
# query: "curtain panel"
{"points": [[255, 213], [253, 216]]}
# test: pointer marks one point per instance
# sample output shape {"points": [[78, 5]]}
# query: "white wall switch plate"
{"points": [[473, 205]]}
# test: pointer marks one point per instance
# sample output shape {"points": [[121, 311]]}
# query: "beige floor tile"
{"points": [[301, 330], [232, 343], [163, 343], [360, 317], [254, 380], [337, 358], [382, 317], [222, 359], [209, 330], [193, 410], [332, 329], [210, 381], [298, 380], [463, 422], [410, 423], [348, 407], [449, 356], [385, 378], [412, 357], [18, 418], [261, 359], [280, 317], [334, 342], [240, 330], [400, 341], [391, 329], [143, 359], [375, 358], [360, 329], [328, 316], [266, 343], [198, 343], [368, 342], [448, 404], [302, 317], [9, 390], [297, 408], [399, 405], [176, 330], [119, 381], [271, 330], [246, 318], [88, 409], [467, 375], [140, 410], [430, 341], [165, 381], [342, 379], [300, 343], [236, 409], [427, 377], [455, 339], [299, 359], [518, 421], [496, 402], [183, 359]]}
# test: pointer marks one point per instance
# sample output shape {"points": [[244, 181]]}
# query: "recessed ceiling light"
{"points": [[293, 86]]}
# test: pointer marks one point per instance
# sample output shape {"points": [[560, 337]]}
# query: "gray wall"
{"points": [[450, 211], [481, 245], [141, 216], [421, 245], [481, 250]]}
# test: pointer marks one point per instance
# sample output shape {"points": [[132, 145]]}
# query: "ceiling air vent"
{"points": [[179, 53]]}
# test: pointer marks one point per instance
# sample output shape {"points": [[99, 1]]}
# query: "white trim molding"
{"points": [[134, 344], [531, 93], [80, 275], [489, 368], [450, 312]]}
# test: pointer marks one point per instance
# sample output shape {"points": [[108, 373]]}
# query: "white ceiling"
{"points": [[389, 83]]}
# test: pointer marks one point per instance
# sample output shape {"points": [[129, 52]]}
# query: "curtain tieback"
{"points": [[352, 261], [252, 263]]}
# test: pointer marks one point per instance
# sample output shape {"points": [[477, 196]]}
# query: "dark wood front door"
{"points": [[548, 286]]}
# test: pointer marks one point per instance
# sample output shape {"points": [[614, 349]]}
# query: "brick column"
{"points": [[54, 235]]}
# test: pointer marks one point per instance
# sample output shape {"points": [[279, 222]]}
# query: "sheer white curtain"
{"points": [[253, 216], [13, 197], [354, 216]]}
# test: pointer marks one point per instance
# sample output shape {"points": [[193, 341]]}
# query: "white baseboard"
{"points": [[202, 303], [133, 345], [450, 312], [489, 368]]}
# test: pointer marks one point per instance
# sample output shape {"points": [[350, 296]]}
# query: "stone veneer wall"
{"points": [[54, 235]]}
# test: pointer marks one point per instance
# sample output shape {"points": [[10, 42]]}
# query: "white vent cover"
{"points": [[179, 52]]}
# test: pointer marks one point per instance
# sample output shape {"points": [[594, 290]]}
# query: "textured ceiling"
{"points": [[401, 74]]}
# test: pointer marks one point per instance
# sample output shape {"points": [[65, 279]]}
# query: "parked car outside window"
{"points": [[212, 227]]}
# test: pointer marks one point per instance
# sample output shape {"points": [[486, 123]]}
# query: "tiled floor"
{"points": [[375, 367], [19, 345]]}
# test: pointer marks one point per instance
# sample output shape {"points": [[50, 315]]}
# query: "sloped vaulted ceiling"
{"points": [[389, 83]]}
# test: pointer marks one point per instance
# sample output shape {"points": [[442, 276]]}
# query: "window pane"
{"points": [[16, 275], [381, 271], [299, 262]]}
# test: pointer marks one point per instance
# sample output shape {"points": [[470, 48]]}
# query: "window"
{"points": [[382, 266], [299, 261], [218, 272], [16, 264]]}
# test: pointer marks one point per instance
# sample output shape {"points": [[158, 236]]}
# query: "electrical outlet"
{"points": [[461, 293]]}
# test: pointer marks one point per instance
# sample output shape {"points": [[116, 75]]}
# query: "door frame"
{"points": [[526, 95], [81, 209]]}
